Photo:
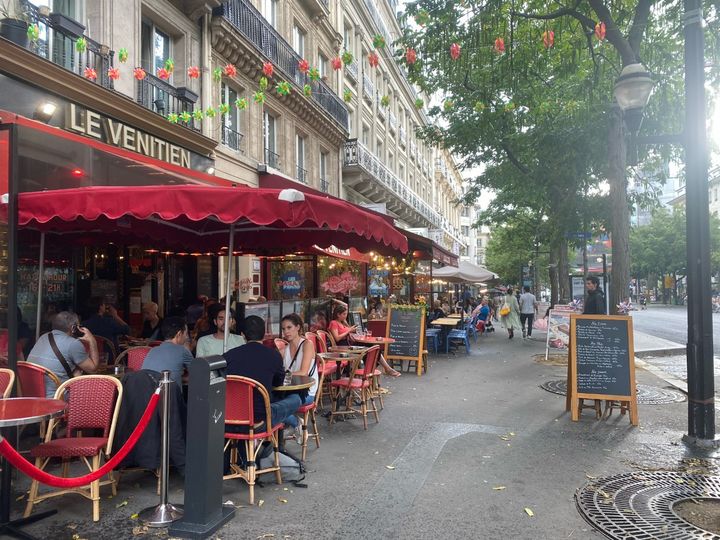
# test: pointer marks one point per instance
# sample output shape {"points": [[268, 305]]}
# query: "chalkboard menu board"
{"points": [[602, 362], [406, 325]]}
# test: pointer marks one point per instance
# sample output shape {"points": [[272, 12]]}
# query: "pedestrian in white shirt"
{"points": [[528, 309]]}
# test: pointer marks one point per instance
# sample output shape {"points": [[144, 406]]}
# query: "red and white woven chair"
{"points": [[32, 379], [240, 412], [358, 384], [93, 404], [7, 379], [133, 357]]}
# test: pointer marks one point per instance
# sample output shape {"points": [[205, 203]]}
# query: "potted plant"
{"points": [[66, 25], [14, 23]]}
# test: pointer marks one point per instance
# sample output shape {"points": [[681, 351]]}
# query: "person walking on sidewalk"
{"points": [[595, 300], [528, 309], [510, 314]]}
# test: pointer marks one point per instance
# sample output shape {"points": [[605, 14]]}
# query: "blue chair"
{"points": [[432, 335], [470, 326], [458, 335]]}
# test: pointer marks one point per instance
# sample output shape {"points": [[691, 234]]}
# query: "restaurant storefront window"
{"points": [[4, 245], [291, 279]]}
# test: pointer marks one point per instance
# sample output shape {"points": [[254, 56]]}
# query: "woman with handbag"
{"points": [[510, 314]]}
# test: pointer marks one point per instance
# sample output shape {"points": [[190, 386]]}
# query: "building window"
{"points": [[155, 47], [379, 149], [269, 11], [347, 39], [230, 136], [366, 135], [465, 230], [299, 40], [322, 65], [270, 137], [323, 166], [300, 158]]}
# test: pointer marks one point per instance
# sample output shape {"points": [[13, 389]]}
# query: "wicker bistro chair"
{"points": [[329, 369], [93, 404], [357, 384], [32, 382], [7, 380], [239, 412], [308, 411], [133, 357], [326, 368], [327, 337]]}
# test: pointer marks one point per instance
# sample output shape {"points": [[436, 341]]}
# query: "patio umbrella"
{"points": [[465, 272]]}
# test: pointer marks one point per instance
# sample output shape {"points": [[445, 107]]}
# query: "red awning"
{"points": [[425, 248], [198, 218]]}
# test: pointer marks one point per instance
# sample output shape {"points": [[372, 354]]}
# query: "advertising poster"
{"points": [[558, 333], [378, 283]]}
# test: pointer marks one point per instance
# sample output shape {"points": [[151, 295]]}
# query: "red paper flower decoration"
{"points": [[454, 51], [114, 74], [336, 63], [139, 73], [373, 59], [500, 45], [193, 72], [303, 66], [90, 73], [410, 56], [548, 37], [163, 74], [230, 71], [600, 31], [268, 69]]}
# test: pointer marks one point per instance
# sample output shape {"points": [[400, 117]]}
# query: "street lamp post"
{"points": [[632, 92]]}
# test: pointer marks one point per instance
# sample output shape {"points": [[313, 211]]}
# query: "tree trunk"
{"points": [[620, 209], [553, 274], [563, 273]]}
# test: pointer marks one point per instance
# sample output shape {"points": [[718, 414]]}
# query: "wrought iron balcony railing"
{"points": [[324, 186], [301, 175], [250, 23], [231, 138], [57, 43], [368, 88], [272, 159], [352, 70], [163, 98]]}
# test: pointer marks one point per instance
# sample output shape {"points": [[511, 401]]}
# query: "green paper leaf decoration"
{"points": [[241, 104], [419, 103], [123, 55], [259, 97], [378, 41], [385, 101], [217, 74], [198, 114], [347, 58], [224, 108], [263, 83], [173, 118], [170, 65], [307, 90], [314, 74], [81, 45], [347, 96], [185, 116], [33, 32], [210, 112], [283, 88]]}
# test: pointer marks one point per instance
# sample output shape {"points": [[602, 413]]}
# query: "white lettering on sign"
{"points": [[118, 134]]}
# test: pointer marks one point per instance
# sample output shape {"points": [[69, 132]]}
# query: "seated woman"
{"points": [[299, 359], [341, 331]]}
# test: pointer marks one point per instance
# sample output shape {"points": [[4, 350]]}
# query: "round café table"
{"points": [[299, 382], [16, 412], [371, 340]]}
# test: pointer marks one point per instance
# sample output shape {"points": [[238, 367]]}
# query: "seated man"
{"points": [[172, 354], [213, 343], [104, 321], [63, 353], [264, 365], [152, 323]]}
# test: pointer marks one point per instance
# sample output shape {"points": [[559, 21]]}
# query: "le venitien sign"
{"points": [[116, 133]]}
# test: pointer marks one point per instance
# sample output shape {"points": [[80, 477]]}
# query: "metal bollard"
{"points": [[164, 513]]}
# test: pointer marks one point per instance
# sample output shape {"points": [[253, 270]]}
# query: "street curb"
{"points": [[669, 351], [673, 381]]}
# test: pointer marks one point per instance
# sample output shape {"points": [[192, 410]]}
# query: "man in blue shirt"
{"points": [[104, 321], [172, 354]]}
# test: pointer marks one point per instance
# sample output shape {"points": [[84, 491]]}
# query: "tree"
{"points": [[503, 101]]}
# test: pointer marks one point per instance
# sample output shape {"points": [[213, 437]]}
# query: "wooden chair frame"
{"points": [[109, 346], [93, 492], [362, 393], [11, 382], [310, 414], [251, 448]]}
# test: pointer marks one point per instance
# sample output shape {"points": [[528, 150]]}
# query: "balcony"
{"points": [[413, 150], [272, 159], [231, 138], [352, 70], [163, 98], [251, 25], [403, 139], [368, 88], [57, 44], [317, 7], [301, 174], [324, 185], [405, 202]]}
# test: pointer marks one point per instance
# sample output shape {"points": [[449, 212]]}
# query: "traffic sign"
{"points": [[579, 235]]}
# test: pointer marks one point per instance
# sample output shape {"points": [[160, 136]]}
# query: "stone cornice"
{"points": [[231, 45], [33, 69]]}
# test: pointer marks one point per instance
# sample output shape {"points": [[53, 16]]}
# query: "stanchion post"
{"points": [[164, 513]]}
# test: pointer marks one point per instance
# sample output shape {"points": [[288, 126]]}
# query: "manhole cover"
{"points": [[647, 395], [639, 505]]}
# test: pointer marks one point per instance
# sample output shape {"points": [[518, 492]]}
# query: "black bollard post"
{"points": [[204, 511]]}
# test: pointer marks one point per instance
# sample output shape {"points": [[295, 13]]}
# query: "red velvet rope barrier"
{"points": [[21, 464]]}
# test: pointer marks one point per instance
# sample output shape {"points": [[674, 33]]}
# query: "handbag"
{"points": [[505, 310]]}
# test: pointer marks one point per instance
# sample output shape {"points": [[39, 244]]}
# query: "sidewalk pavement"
{"points": [[648, 345], [469, 450]]}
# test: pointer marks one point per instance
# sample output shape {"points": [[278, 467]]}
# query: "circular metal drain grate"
{"points": [[647, 395], [639, 506]]}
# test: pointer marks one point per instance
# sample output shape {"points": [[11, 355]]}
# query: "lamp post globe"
{"points": [[632, 92]]}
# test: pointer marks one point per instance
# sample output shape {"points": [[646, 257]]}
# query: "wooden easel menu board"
{"points": [[406, 325], [602, 361]]}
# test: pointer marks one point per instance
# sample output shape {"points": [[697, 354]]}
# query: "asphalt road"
{"points": [[670, 322]]}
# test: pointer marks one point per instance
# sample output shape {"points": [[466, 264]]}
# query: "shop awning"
{"points": [[465, 272], [267, 221], [429, 250]]}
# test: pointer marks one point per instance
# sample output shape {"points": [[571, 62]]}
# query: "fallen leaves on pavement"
{"points": [[529, 512]]}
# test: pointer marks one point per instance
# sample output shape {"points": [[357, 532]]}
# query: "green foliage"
{"points": [[512, 246], [660, 247]]}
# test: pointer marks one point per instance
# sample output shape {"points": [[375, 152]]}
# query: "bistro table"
{"points": [[299, 382], [370, 340], [447, 324], [16, 412]]}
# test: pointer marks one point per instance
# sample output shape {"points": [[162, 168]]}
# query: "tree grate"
{"points": [[646, 395], [639, 506]]}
